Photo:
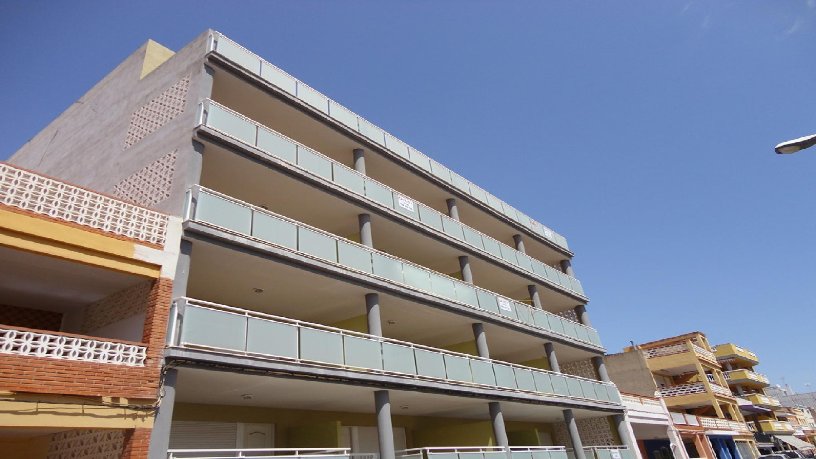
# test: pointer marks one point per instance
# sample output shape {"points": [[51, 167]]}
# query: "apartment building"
{"points": [[85, 289], [338, 293], [775, 426], [683, 372]]}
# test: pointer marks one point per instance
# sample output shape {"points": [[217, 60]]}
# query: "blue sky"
{"points": [[643, 131]]}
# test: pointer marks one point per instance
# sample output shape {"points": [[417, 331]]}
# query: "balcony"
{"points": [[775, 427], [388, 200], [279, 453], [217, 210], [682, 390], [762, 400], [66, 346], [223, 329], [746, 378], [443, 452], [326, 109], [731, 351], [724, 424]]}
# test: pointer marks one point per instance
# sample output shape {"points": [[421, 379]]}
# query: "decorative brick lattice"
{"points": [[593, 432], [583, 368], [67, 347], [156, 113], [118, 306], [152, 184], [58, 200], [86, 444], [30, 318]]}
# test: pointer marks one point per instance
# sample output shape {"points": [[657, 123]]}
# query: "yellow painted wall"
{"points": [[319, 435], [27, 448], [358, 324], [465, 347], [526, 437], [55, 414], [540, 363], [478, 433], [155, 55]]}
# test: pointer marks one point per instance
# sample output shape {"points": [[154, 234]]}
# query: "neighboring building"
{"points": [[337, 291], [85, 287], [684, 373]]}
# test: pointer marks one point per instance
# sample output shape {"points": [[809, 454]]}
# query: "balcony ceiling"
{"points": [[42, 282], [226, 388]]}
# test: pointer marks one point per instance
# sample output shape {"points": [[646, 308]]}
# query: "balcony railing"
{"points": [[205, 325], [245, 130], [297, 89], [514, 452], [724, 424], [607, 452], [679, 348], [278, 453], [693, 388], [775, 427], [762, 400], [35, 193], [224, 212], [62, 346], [746, 377], [685, 419]]}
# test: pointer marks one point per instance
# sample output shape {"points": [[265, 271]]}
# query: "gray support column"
{"points": [[160, 435], [519, 240], [550, 350], [385, 431], [359, 160], [497, 419], [365, 230], [481, 340], [534, 296], [727, 365], [453, 209], [623, 431], [582, 315], [373, 314], [566, 266], [575, 438], [464, 265], [182, 269], [600, 367]]}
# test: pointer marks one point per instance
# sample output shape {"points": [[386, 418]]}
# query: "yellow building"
{"points": [[690, 381]]}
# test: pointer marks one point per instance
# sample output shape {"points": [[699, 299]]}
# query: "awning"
{"points": [[795, 442]]}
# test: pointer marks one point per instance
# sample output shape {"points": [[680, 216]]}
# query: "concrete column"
{"points": [[497, 419], [373, 314], [359, 160], [534, 296], [182, 269], [519, 240], [453, 209], [464, 265], [481, 340], [623, 431], [727, 366], [160, 435], [566, 267], [600, 367], [740, 390], [582, 315], [550, 350], [575, 438], [385, 431], [365, 230]]}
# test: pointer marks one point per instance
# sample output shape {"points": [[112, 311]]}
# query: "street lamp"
{"points": [[792, 146]]}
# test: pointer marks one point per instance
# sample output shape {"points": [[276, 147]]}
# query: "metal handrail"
{"points": [[239, 452], [182, 303], [533, 225], [190, 215], [203, 120]]}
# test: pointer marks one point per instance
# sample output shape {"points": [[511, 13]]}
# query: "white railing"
{"points": [[682, 389], [718, 389], [723, 424], [248, 131], [746, 374], [35, 193], [277, 453], [685, 419], [229, 214], [706, 354], [66, 347], [485, 452], [296, 88], [665, 350], [640, 400], [211, 326]]}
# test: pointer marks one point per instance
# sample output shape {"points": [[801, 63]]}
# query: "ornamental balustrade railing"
{"points": [[278, 453], [29, 343], [38, 194]]}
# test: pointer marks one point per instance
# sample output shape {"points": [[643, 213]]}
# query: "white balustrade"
{"points": [[66, 347]]}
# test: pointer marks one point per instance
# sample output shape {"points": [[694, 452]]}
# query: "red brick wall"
{"points": [[53, 376], [136, 444], [30, 318]]}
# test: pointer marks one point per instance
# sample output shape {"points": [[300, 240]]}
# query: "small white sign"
{"points": [[549, 234], [504, 305], [405, 203], [615, 454]]}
